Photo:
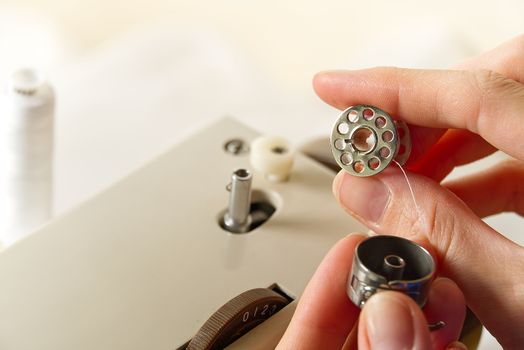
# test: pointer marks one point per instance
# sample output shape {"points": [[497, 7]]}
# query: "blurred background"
{"points": [[132, 78]]}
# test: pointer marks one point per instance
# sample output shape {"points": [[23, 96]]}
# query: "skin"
{"points": [[456, 117]]}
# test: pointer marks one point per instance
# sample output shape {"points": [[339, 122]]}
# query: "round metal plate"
{"points": [[404, 142], [373, 154]]}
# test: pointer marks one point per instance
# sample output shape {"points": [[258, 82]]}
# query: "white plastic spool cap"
{"points": [[272, 156]]}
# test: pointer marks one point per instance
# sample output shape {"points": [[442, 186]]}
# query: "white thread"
{"points": [[419, 211]]}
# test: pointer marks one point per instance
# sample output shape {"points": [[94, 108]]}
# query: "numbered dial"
{"points": [[365, 140], [237, 317]]}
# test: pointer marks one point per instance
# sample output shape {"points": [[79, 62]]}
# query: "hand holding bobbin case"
{"points": [[391, 263], [385, 263]]}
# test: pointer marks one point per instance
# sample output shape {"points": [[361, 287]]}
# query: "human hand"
{"points": [[455, 117], [325, 318]]}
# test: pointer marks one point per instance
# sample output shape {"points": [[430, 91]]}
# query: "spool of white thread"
{"points": [[26, 162]]}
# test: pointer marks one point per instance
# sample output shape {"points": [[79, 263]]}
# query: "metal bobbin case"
{"points": [[384, 263], [365, 140]]}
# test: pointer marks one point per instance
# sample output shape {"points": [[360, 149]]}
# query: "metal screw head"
{"points": [[236, 147]]}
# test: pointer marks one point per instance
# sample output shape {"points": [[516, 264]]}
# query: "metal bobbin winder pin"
{"points": [[383, 263], [365, 140]]}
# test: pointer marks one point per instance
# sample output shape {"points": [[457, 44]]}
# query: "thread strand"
{"points": [[417, 207]]}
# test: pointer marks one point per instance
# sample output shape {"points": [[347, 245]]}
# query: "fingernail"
{"points": [[366, 198], [389, 323]]}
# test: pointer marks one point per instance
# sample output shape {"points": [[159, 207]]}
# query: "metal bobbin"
{"points": [[384, 263], [365, 140]]}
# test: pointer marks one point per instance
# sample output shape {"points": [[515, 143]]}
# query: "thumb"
{"points": [[391, 320], [468, 251]]}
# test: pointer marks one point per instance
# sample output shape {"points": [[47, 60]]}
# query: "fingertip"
{"points": [[320, 79], [317, 78], [356, 237], [392, 320], [326, 76], [328, 86]]}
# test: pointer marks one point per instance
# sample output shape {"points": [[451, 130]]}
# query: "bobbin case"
{"points": [[384, 263]]}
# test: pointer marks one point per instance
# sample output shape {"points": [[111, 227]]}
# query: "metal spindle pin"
{"points": [[237, 218], [393, 267]]}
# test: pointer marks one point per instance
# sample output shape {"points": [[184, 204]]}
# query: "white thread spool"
{"points": [[26, 160]]}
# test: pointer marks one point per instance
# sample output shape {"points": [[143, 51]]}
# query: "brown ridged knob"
{"points": [[237, 317]]}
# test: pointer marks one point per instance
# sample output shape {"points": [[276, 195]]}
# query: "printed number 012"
{"points": [[265, 308]]}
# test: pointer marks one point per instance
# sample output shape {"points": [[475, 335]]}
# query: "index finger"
{"points": [[483, 102], [325, 315]]}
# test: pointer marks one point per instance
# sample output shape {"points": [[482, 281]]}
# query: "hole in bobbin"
{"points": [[364, 139], [368, 114], [380, 122], [340, 144], [343, 128], [384, 152], [387, 136], [346, 158], [374, 163], [353, 116], [358, 166]]}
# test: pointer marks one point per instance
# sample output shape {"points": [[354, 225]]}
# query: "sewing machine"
{"points": [[145, 263]]}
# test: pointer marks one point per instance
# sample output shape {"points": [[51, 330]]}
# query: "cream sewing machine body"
{"points": [[145, 263]]}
